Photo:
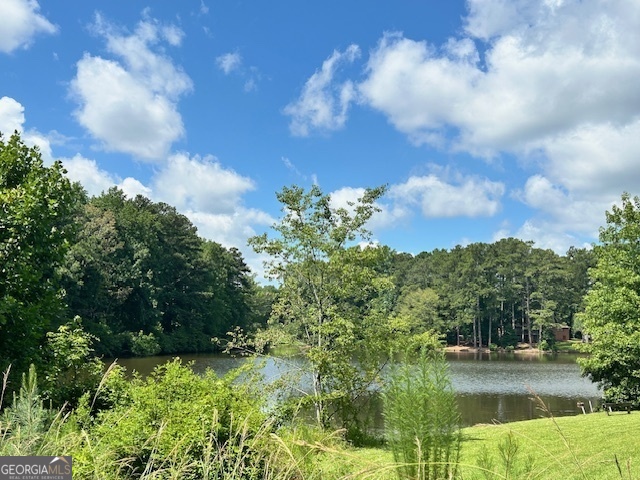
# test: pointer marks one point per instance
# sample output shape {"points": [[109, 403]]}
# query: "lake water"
{"points": [[489, 386]]}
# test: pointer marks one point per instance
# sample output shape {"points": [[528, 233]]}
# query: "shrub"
{"points": [[179, 420], [422, 423], [144, 345], [26, 426], [71, 368]]}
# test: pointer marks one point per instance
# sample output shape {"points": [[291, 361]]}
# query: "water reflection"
{"points": [[490, 387]]}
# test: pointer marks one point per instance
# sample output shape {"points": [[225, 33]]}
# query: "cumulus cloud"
{"points": [[229, 62], [20, 22], [12, 119], [200, 184], [88, 174], [96, 180], [547, 69], [600, 159], [438, 198], [11, 116], [552, 82], [129, 104], [389, 214], [324, 103]]}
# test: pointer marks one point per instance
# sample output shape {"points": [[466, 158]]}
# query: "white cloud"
{"points": [[548, 235], [200, 184], [86, 171], [11, 116], [96, 180], [20, 22], [548, 68], [133, 187], [417, 89], [229, 62], [324, 104], [600, 159], [230, 229], [173, 35], [12, 119], [553, 82], [388, 215], [577, 214], [131, 105], [464, 197]]}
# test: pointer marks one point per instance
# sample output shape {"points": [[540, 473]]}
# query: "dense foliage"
{"points": [[36, 211], [132, 273], [144, 282], [493, 294], [612, 306]]}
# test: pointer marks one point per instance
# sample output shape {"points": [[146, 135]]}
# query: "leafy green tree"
{"points": [[612, 307], [334, 299], [419, 308], [71, 368], [36, 212]]}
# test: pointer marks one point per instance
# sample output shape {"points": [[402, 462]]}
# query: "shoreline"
{"points": [[521, 350]]}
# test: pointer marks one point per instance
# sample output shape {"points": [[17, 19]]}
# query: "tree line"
{"points": [[136, 279], [134, 272], [496, 294]]}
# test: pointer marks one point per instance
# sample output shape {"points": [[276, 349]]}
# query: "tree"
{"points": [[36, 211], [142, 279], [612, 306], [335, 297]]}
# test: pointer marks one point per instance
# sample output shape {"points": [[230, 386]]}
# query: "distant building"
{"points": [[563, 333]]}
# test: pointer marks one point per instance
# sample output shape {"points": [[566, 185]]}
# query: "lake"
{"points": [[489, 386]]}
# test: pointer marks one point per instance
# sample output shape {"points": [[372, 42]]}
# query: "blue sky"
{"points": [[485, 118]]}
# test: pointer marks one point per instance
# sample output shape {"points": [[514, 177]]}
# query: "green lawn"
{"points": [[583, 446], [565, 448], [570, 346]]}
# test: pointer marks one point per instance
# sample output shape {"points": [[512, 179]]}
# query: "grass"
{"points": [[593, 446], [589, 446], [570, 346]]}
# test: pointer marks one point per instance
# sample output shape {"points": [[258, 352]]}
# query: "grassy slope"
{"points": [[580, 447], [566, 447]]}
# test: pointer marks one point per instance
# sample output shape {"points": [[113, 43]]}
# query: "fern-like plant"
{"points": [[422, 422]]}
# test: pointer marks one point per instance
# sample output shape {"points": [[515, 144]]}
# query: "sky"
{"points": [[486, 119]]}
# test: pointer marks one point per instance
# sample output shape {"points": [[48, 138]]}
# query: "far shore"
{"points": [[520, 349]]}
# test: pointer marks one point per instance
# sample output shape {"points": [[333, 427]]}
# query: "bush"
{"points": [[176, 419], [422, 423], [144, 345], [71, 368], [27, 427]]}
